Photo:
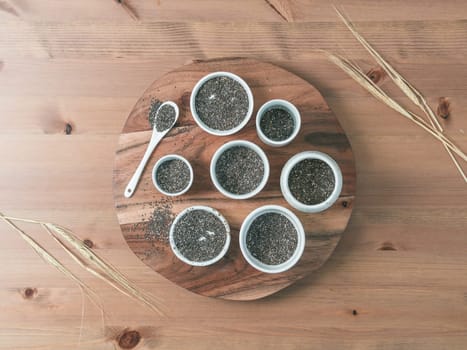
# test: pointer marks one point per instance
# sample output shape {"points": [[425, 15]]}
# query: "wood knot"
{"points": [[68, 128], [354, 312], [376, 74], [88, 243], [444, 108], [387, 246], [129, 339], [29, 293]]}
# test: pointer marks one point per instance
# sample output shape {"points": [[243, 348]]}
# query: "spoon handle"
{"points": [[155, 139]]}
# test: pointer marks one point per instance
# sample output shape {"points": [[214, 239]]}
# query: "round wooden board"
{"points": [[146, 217]]}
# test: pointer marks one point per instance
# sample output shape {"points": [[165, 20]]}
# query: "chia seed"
{"points": [[272, 238], [173, 176], [199, 235], [155, 104], [158, 225], [222, 103], [277, 124], [165, 117], [239, 170], [311, 181]]}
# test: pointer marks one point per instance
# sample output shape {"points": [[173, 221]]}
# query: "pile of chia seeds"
{"points": [[158, 224], [311, 181], [199, 235], [239, 170], [165, 117], [277, 124], [272, 238], [221, 103], [173, 176]]}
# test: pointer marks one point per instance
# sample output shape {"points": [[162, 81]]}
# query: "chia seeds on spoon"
{"points": [[165, 117], [239, 170], [173, 176], [272, 238], [155, 104], [277, 124], [221, 103], [311, 181], [199, 235]]}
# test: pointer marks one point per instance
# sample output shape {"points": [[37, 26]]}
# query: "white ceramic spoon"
{"points": [[155, 139]]}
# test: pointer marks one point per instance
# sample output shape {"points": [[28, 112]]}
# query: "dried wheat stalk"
{"points": [[409, 90], [87, 259], [110, 274], [128, 9], [377, 92], [84, 265], [50, 259]]}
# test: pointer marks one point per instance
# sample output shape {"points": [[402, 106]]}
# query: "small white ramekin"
{"points": [[278, 104], [259, 265], [251, 146], [199, 263], [198, 120], [167, 158], [284, 181]]}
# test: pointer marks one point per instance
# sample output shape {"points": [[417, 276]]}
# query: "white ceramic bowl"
{"points": [[284, 181], [225, 147], [167, 158], [198, 120], [278, 104], [257, 264], [199, 263]]}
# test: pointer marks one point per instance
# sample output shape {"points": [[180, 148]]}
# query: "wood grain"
{"points": [[412, 296], [240, 10], [203, 40], [232, 277]]}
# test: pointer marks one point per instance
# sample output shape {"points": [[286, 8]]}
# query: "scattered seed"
{"points": [[159, 223], [199, 235], [173, 176], [239, 170], [277, 124], [221, 103], [68, 128], [311, 181], [272, 238]]}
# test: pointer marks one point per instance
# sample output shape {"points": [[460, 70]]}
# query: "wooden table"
{"points": [[397, 280]]}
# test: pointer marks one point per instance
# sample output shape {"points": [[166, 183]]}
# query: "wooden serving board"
{"points": [[146, 217]]}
